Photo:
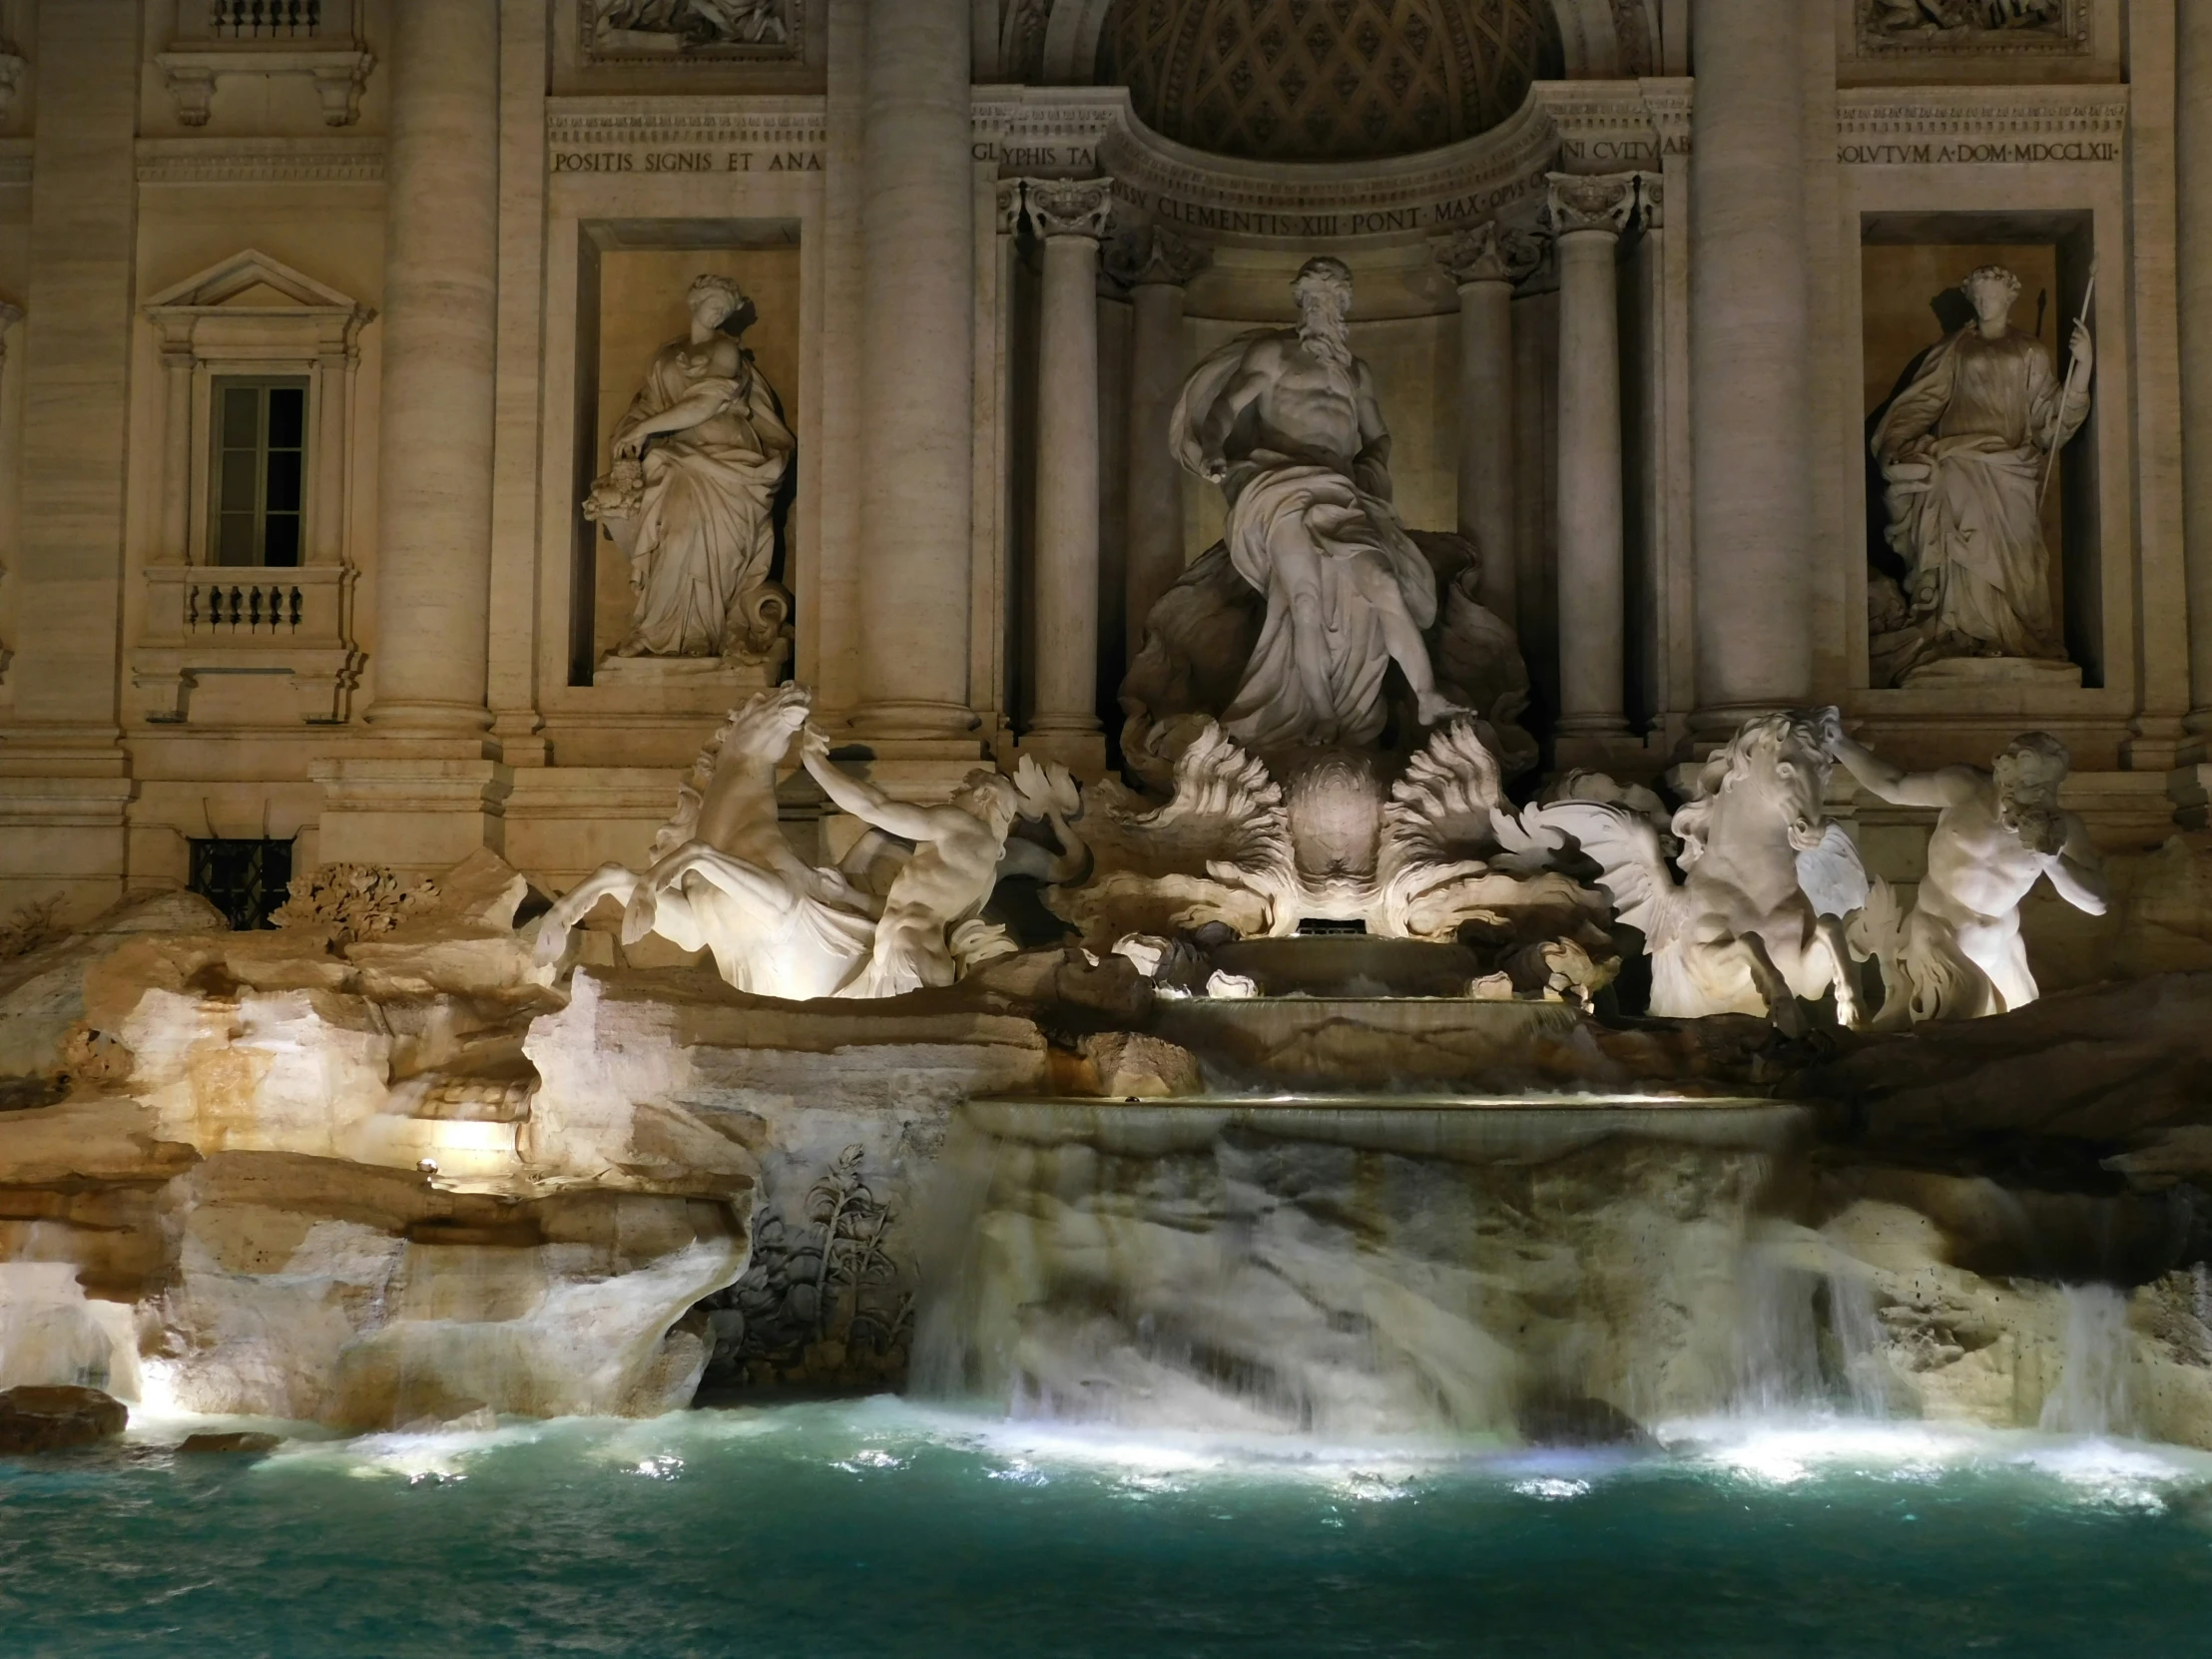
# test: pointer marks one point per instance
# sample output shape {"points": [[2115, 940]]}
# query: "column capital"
{"points": [[1068, 206], [1151, 256], [1490, 252], [1592, 201]]}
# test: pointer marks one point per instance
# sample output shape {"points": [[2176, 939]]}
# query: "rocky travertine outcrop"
{"points": [[2117, 1073], [376, 1169], [55, 1419], [294, 1173]]}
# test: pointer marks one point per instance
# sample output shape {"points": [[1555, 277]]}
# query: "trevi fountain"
{"points": [[1105, 826]]}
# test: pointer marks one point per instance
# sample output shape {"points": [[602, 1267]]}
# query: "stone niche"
{"points": [[636, 275], [1911, 266]]}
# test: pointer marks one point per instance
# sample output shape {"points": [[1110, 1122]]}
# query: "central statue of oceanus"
{"points": [[1287, 422]]}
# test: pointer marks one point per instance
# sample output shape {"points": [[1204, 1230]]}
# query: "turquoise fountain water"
{"points": [[883, 1528]]}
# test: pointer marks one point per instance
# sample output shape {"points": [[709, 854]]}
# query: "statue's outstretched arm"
{"points": [[862, 800], [2078, 870], [1891, 782]]}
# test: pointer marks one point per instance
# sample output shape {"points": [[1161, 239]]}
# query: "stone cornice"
{"points": [[261, 161], [1046, 130]]}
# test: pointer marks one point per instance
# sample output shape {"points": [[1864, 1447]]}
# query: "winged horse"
{"points": [[1756, 920]]}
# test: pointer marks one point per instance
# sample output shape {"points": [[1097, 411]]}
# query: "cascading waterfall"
{"points": [[1350, 1268], [2095, 1393]]}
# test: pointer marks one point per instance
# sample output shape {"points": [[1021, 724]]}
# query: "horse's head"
{"points": [[1776, 763], [760, 729]]}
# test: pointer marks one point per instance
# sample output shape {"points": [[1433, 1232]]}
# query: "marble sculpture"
{"points": [[1757, 919], [941, 888], [901, 912], [1965, 451], [722, 878], [1285, 421], [1957, 953], [695, 23], [699, 460]]}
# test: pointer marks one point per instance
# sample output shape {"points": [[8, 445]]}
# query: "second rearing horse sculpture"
{"points": [[1756, 920]]}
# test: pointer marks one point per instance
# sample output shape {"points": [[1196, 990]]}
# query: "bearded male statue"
{"points": [[1285, 421], [1958, 953]]}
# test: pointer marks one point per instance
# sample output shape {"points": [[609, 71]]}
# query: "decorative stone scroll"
{"points": [[1153, 256], [1582, 202], [1490, 252], [1068, 206]]}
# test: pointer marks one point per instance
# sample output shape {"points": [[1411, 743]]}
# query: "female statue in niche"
{"points": [[691, 497], [1964, 449]]}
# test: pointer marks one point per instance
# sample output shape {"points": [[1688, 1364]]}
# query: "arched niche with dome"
{"points": [[1326, 80]]}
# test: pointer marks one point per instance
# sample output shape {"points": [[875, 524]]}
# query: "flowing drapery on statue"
{"points": [[1287, 422], [1964, 451], [691, 499]]}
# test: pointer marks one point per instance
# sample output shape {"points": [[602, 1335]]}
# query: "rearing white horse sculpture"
{"points": [[1756, 920], [722, 877]]}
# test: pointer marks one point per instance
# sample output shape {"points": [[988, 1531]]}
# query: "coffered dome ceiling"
{"points": [[1326, 80]]}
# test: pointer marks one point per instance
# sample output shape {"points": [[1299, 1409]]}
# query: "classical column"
{"points": [[2194, 149], [1071, 215], [1587, 216], [1486, 263], [918, 365], [429, 798], [1157, 266], [441, 184], [63, 784], [1750, 375]]}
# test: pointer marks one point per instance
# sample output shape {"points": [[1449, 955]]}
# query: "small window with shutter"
{"points": [[260, 470]]}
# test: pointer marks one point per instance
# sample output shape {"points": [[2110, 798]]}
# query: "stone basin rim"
{"points": [[1298, 1100]]}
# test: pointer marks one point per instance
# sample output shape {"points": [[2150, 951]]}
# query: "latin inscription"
{"points": [[1924, 155], [686, 161], [1261, 222]]}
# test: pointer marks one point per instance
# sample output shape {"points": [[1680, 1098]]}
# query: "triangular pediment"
{"points": [[251, 280]]}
